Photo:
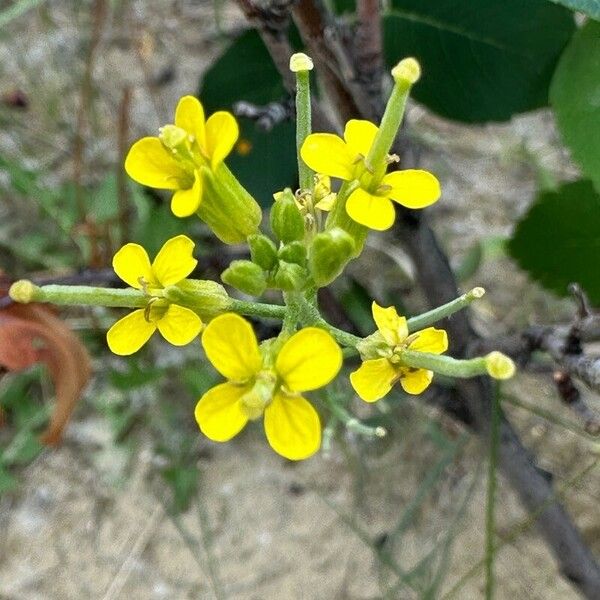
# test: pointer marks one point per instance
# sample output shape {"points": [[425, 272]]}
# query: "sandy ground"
{"points": [[265, 529]]}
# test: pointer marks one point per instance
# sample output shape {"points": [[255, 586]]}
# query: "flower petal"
{"points": [[375, 212], [392, 327], [219, 412], [186, 202], [222, 132], [189, 115], [373, 379], [130, 333], [430, 340], [328, 154], [293, 427], [149, 163], [174, 260], [131, 263], [416, 381], [309, 360], [359, 135], [231, 347], [413, 188], [179, 325]]}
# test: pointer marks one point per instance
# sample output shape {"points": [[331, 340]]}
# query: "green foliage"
{"points": [[557, 241], [481, 61], [246, 72], [589, 7], [575, 96]]}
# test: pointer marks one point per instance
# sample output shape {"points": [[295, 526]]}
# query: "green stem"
{"points": [[491, 494], [441, 312], [352, 423], [258, 309], [444, 365], [303, 126]]}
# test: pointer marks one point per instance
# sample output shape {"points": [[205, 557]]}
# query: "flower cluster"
{"points": [[315, 231]]}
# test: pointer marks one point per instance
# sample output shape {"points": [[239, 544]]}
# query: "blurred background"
{"points": [[133, 502]]}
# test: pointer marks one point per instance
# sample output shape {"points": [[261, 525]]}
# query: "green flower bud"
{"points": [[286, 221], [227, 207], [245, 276], [207, 298], [263, 251], [329, 253], [290, 277], [294, 252]]}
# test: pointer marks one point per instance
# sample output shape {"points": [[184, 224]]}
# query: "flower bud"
{"points": [[499, 366], [245, 276], [263, 251], [227, 207], [294, 252], [290, 277], [206, 297], [286, 221], [329, 253]]}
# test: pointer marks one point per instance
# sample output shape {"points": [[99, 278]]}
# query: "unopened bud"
{"points": [[206, 297], [499, 366], [23, 291], [329, 253], [286, 221], [300, 62], [290, 277], [294, 252], [263, 251], [407, 71], [245, 276]]}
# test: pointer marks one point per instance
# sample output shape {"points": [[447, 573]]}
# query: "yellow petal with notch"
{"points": [[189, 115], [328, 154], [392, 327], [413, 188], [131, 263], [375, 212], [359, 135], [149, 163], [185, 203], [174, 261], [222, 132], [231, 347], [292, 427], [179, 325], [219, 412], [430, 340], [373, 379], [417, 381], [309, 360], [130, 333]]}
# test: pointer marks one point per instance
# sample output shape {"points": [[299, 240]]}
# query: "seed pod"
{"points": [[245, 276], [263, 251], [286, 221], [329, 253]]}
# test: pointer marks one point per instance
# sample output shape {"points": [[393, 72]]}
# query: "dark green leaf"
{"points": [[575, 96], [482, 61], [588, 7], [265, 162], [558, 240]]}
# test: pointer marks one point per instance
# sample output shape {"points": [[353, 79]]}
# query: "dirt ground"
{"points": [[265, 529]]}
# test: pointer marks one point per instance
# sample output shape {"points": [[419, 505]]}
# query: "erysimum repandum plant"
{"points": [[315, 231]]}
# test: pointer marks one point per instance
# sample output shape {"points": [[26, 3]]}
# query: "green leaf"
{"points": [[482, 61], [558, 241], [575, 96], [591, 8], [265, 162]]}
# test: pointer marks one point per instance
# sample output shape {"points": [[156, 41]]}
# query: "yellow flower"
{"points": [[324, 198], [375, 377], [259, 383], [371, 203], [177, 324], [173, 160]]}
